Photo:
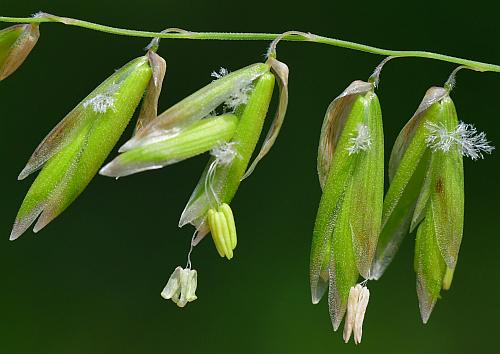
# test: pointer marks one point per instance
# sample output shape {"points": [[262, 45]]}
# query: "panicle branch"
{"points": [[42, 17]]}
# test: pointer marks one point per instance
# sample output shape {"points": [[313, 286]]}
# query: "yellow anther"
{"points": [[223, 229]]}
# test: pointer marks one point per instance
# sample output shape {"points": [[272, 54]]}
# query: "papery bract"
{"points": [[16, 42]]}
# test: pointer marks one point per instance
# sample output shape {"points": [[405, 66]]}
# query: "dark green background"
{"points": [[90, 282]]}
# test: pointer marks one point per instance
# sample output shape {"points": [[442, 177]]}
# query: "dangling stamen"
{"points": [[357, 302], [191, 246]]}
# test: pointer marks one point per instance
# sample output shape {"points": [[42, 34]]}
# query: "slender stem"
{"points": [[306, 37]]}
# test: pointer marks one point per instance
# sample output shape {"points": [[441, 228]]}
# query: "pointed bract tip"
{"points": [[425, 314], [41, 223], [448, 278], [315, 300], [336, 324], [17, 230], [318, 290], [14, 235], [22, 175], [107, 170], [425, 303], [124, 148], [21, 224]]}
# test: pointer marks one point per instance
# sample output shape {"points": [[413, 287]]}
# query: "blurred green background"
{"points": [[90, 282]]}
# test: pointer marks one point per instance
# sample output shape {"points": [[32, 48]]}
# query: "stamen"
{"points": [[357, 302], [181, 286], [223, 229]]}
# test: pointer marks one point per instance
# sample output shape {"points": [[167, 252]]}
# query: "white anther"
{"points": [[356, 307]]}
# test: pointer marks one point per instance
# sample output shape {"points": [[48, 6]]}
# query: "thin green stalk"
{"points": [[305, 37]]}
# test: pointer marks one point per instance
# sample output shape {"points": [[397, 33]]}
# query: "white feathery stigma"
{"points": [[225, 152], [239, 97], [221, 73], [361, 140], [100, 103], [465, 136]]}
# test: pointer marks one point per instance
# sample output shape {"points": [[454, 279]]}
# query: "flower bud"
{"points": [[408, 166], [350, 168], [426, 193], [181, 286], [73, 151], [439, 233], [16, 42]]}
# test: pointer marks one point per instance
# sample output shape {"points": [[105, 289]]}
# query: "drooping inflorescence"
{"points": [[357, 231]]}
